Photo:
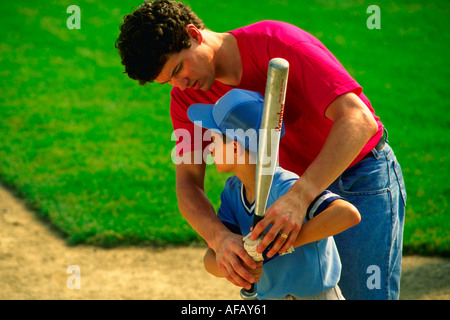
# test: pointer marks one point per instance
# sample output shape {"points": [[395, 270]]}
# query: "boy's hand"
{"points": [[251, 245]]}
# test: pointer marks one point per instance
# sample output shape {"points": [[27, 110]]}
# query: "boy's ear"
{"points": [[237, 148], [194, 33]]}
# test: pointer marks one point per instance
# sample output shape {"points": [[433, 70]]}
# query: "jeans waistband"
{"points": [[380, 144]]}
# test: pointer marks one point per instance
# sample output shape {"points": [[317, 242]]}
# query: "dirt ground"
{"points": [[35, 264]]}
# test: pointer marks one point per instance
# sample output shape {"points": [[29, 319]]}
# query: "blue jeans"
{"points": [[371, 251]]}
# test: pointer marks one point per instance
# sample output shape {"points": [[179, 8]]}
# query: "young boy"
{"points": [[312, 270]]}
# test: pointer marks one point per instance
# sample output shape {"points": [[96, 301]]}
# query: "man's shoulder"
{"points": [[264, 25], [282, 33]]}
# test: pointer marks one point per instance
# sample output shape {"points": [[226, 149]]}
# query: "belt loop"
{"points": [[375, 153], [387, 135]]}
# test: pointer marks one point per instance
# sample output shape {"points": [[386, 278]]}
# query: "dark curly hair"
{"points": [[150, 34]]}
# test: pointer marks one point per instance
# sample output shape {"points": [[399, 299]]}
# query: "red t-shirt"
{"points": [[315, 79]]}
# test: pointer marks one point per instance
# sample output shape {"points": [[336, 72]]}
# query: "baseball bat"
{"points": [[269, 140]]}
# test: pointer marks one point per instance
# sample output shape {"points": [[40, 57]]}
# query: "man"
{"points": [[333, 138]]}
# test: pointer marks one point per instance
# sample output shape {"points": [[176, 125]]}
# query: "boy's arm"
{"points": [[327, 216], [337, 217], [209, 260]]}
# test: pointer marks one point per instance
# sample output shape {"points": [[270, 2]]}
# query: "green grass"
{"points": [[90, 149]]}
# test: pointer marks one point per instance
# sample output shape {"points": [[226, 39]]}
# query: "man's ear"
{"points": [[194, 33]]}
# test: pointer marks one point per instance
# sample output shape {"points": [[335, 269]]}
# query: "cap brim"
{"points": [[201, 112]]}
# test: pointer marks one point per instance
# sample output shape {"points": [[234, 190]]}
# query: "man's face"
{"points": [[190, 68]]}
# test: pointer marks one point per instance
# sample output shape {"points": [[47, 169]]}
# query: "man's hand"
{"points": [[257, 272], [234, 262], [286, 216]]}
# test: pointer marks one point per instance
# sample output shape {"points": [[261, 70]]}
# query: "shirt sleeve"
{"points": [[226, 213], [189, 137], [319, 75], [321, 203]]}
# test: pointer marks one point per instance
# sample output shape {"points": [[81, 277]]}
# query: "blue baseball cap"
{"points": [[237, 109]]}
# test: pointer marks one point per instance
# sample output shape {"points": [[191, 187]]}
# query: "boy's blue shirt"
{"points": [[311, 269]]}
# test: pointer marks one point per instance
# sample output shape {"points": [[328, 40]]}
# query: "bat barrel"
{"points": [[269, 139], [270, 130], [279, 63]]}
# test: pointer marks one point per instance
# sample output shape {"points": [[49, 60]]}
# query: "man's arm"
{"points": [[198, 211], [209, 261], [353, 125]]}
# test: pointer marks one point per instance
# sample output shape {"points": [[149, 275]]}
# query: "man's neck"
{"points": [[227, 58]]}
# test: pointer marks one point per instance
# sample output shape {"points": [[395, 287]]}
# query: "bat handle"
{"points": [[251, 294]]}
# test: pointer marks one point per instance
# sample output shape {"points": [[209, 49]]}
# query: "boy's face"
{"points": [[228, 155], [190, 68], [223, 153]]}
